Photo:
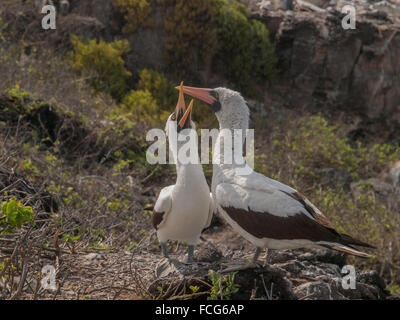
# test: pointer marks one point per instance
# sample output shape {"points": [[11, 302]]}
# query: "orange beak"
{"points": [[187, 114], [209, 96], [180, 107]]}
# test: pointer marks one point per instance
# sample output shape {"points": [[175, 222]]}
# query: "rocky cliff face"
{"points": [[327, 68], [324, 68]]}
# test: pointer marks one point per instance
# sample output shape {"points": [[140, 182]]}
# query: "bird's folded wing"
{"points": [[272, 212], [162, 207]]}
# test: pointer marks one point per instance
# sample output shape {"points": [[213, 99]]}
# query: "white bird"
{"points": [[264, 211], [184, 209]]}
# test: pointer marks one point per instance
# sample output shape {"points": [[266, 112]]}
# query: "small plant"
{"points": [[13, 214], [103, 63], [222, 287], [71, 240], [29, 166], [194, 289]]}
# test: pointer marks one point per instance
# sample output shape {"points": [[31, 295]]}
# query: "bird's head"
{"points": [[229, 106], [181, 118]]}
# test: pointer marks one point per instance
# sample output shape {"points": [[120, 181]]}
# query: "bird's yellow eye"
{"points": [[173, 118], [216, 95]]}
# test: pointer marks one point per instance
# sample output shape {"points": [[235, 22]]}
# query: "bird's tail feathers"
{"points": [[347, 240], [346, 249]]}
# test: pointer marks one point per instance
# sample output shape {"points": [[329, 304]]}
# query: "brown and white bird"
{"points": [[185, 209], [266, 212]]}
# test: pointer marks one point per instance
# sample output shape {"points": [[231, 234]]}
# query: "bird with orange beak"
{"points": [[264, 211], [184, 209]]}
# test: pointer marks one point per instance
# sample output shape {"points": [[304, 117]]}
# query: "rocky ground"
{"points": [[291, 274]]}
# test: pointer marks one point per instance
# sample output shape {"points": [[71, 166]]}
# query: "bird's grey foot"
{"points": [[175, 262], [166, 265], [189, 259], [164, 250]]}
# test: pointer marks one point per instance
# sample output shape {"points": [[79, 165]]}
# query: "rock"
{"points": [[386, 187], [393, 176], [326, 68], [318, 291], [94, 256], [380, 186], [208, 253]]}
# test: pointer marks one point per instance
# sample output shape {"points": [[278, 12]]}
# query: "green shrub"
{"points": [[136, 13], [13, 214], [141, 107], [190, 35], [162, 90], [103, 63], [316, 144], [245, 52]]}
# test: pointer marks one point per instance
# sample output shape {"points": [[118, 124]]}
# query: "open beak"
{"points": [[208, 96], [187, 117], [180, 107]]}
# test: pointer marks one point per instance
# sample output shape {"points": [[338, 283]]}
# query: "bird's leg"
{"points": [[190, 254], [164, 250], [166, 266]]}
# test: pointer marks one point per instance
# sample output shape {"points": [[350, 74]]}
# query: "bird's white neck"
{"points": [[188, 168], [229, 154], [233, 127], [228, 160]]}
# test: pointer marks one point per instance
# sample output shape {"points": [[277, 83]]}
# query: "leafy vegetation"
{"points": [[136, 13], [314, 145], [191, 37], [13, 214], [141, 106], [103, 63], [223, 287], [245, 52], [162, 90]]}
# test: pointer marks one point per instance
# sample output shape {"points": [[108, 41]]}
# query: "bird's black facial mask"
{"points": [[208, 96], [216, 105]]}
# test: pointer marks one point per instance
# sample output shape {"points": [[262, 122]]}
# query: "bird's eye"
{"points": [[217, 95], [173, 118]]}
